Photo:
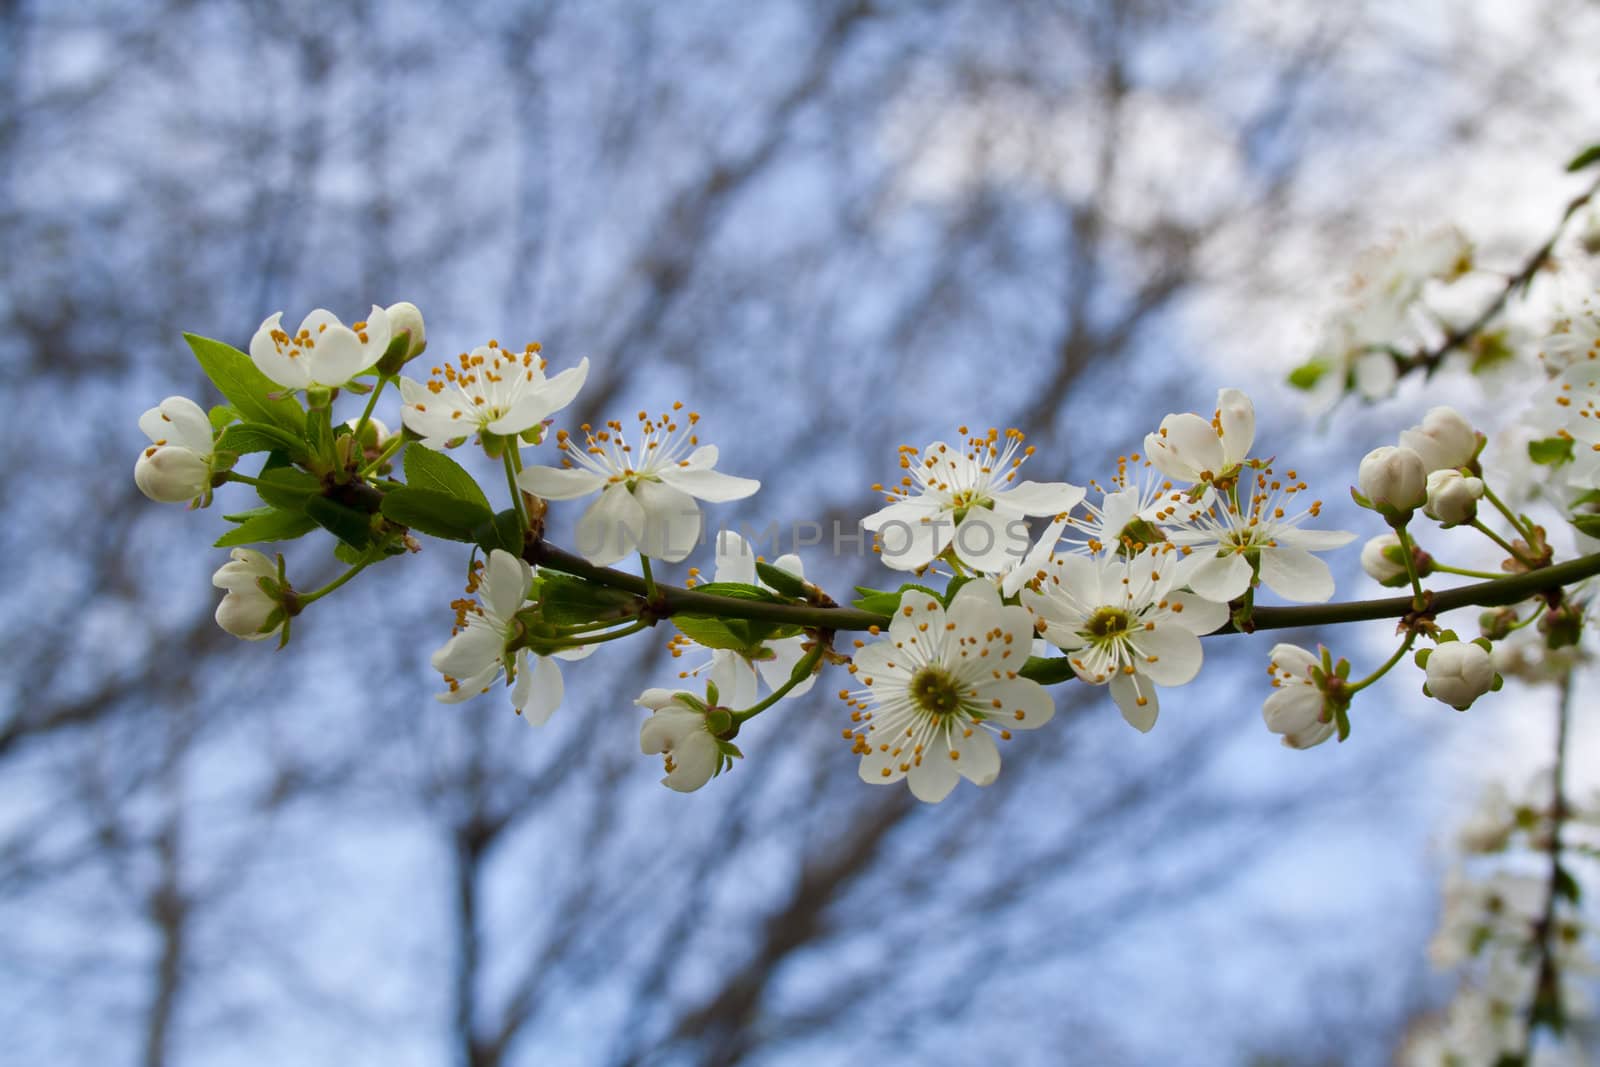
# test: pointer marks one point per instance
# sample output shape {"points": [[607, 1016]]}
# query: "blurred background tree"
{"points": [[833, 227]]}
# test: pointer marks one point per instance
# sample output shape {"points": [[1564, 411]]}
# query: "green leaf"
{"points": [[1589, 499], [287, 487], [352, 527], [1586, 158], [319, 435], [1048, 670], [267, 524], [1307, 375], [877, 601], [1491, 350], [1587, 524], [437, 472], [568, 601], [781, 580], [1567, 886], [501, 530], [741, 635], [880, 602], [1551, 452], [739, 591], [246, 437], [247, 389], [221, 415], [434, 514]]}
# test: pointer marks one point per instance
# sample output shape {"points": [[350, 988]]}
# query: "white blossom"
{"points": [[1191, 449], [1256, 528], [176, 467], [680, 732], [1129, 511], [324, 352], [487, 390], [477, 655], [735, 673], [939, 687], [965, 497], [647, 491], [1294, 708], [246, 606], [1122, 622]]}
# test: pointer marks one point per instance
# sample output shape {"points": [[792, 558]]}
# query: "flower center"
{"points": [[1108, 623], [936, 691]]}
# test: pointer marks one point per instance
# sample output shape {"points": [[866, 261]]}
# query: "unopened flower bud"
{"points": [[171, 474], [408, 337], [1444, 440], [1496, 625], [176, 467], [1562, 625], [1459, 672], [1452, 496], [247, 607], [1393, 479], [1384, 561]]}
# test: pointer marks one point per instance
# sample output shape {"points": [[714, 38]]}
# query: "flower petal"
{"points": [[555, 483], [671, 723], [907, 512], [289, 371], [1316, 540], [906, 545], [672, 521], [1220, 578], [1136, 697], [736, 562], [1185, 448], [612, 527], [1171, 655], [506, 581], [1040, 498], [1295, 574], [709, 485], [1196, 613], [695, 760], [977, 757], [1238, 417], [990, 542], [786, 654], [1022, 704], [539, 688], [933, 776]]}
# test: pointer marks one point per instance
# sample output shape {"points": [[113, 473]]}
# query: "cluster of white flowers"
{"points": [[1524, 960], [1125, 589], [1384, 305], [1114, 584]]}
